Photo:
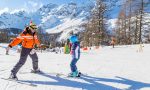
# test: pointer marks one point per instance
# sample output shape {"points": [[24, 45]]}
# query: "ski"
{"points": [[60, 75], [20, 82], [41, 72], [67, 76]]}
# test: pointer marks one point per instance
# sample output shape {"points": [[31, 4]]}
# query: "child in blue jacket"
{"points": [[75, 52]]}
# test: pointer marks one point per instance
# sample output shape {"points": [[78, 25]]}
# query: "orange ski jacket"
{"points": [[28, 40]]}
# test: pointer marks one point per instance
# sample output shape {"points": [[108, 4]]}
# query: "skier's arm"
{"points": [[37, 42], [73, 47], [70, 45], [17, 40]]}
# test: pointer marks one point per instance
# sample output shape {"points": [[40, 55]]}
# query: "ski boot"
{"points": [[74, 74], [13, 76], [35, 71], [7, 53], [78, 73]]}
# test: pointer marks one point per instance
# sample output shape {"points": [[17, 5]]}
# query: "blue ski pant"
{"points": [[73, 65]]}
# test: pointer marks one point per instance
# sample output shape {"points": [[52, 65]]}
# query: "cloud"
{"points": [[16, 10], [4, 10], [32, 6]]}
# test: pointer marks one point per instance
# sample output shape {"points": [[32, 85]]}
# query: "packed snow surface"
{"points": [[106, 68]]}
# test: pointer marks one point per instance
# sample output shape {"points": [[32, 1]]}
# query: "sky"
{"points": [[28, 5]]}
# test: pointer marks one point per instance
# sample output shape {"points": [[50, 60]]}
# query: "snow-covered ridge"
{"points": [[48, 16], [51, 18]]}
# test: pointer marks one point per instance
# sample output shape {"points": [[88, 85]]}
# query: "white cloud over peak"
{"points": [[4, 10], [17, 10], [32, 6]]}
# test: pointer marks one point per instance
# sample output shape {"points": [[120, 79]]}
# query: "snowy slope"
{"points": [[121, 68], [66, 27]]}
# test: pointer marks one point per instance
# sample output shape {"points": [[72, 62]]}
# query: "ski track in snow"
{"points": [[106, 68]]}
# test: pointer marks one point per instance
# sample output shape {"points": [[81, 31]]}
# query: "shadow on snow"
{"points": [[92, 83]]}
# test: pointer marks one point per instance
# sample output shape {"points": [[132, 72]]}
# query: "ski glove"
{"points": [[71, 52], [10, 46]]}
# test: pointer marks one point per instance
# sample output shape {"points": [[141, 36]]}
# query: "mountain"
{"points": [[48, 16], [50, 13], [56, 18], [14, 20], [51, 17], [68, 17]]}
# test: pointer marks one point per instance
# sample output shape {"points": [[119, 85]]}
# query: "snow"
{"points": [[112, 22], [4, 10], [66, 27], [106, 68], [50, 19]]}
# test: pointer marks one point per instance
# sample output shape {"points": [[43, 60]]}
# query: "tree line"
{"points": [[132, 26]]}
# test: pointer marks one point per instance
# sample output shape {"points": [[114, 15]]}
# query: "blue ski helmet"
{"points": [[73, 38]]}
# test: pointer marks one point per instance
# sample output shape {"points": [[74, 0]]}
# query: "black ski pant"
{"points": [[23, 57]]}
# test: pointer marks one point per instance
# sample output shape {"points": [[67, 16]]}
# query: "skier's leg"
{"points": [[73, 65], [22, 60], [113, 45], [34, 58]]}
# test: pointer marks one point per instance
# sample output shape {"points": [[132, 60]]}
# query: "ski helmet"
{"points": [[73, 39], [33, 26]]}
